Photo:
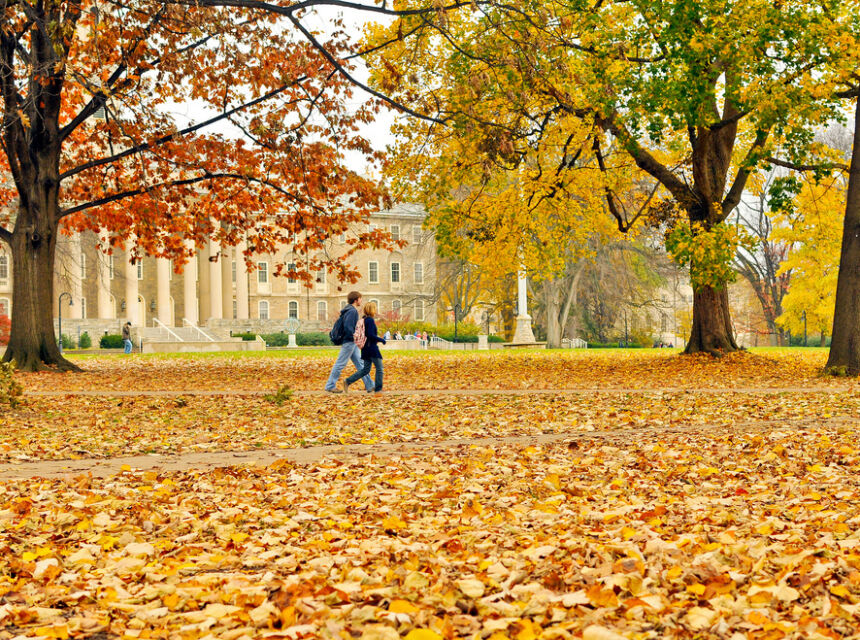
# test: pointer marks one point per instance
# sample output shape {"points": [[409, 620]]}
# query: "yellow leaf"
{"points": [[423, 634], [527, 631], [697, 588], [402, 606], [29, 556], [840, 590], [239, 538], [554, 481], [393, 523]]}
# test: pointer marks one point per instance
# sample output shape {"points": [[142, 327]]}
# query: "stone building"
{"points": [[215, 290]]}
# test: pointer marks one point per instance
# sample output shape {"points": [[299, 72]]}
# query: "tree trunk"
{"points": [[32, 342], [845, 340], [712, 323], [553, 326]]}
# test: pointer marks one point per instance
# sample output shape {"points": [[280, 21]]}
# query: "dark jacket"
{"points": [[349, 322], [126, 332], [370, 349]]}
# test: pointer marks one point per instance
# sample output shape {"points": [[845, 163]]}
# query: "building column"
{"points": [[105, 309], [242, 310], [162, 297], [226, 259], [189, 287], [132, 306], [73, 268], [215, 287], [205, 288]]}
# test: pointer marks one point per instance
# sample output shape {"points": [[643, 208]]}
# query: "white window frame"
{"points": [[233, 271], [343, 303], [399, 278], [263, 309], [395, 232], [4, 268], [139, 265], [84, 308], [376, 302], [292, 282], [396, 306], [292, 304], [5, 306], [370, 266], [321, 281], [417, 234], [418, 272], [322, 311], [264, 284], [111, 267], [419, 310]]}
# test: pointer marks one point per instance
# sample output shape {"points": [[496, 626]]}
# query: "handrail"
{"points": [[168, 329], [188, 323], [436, 340]]}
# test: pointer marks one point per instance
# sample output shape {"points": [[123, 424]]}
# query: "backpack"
{"points": [[359, 338], [336, 335]]}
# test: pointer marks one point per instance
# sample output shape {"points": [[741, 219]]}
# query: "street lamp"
{"points": [[60, 307], [456, 315], [804, 329]]}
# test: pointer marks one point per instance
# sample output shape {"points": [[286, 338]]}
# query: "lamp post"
{"points": [[804, 328], [60, 317], [456, 315]]}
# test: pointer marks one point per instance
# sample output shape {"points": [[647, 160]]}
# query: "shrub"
{"points": [[247, 336], [313, 340], [10, 389], [67, 342], [111, 341], [5, 329], [85, 342], [276, 339]]}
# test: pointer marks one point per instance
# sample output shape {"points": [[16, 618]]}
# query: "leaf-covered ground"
{"points": [[625, 369], [700, 536], [98, 427], [658, 515]]}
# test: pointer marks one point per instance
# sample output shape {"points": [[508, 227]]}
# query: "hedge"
{"points": [[85, 342], [111, 341]]}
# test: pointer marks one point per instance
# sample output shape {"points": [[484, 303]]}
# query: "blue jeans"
{"points": [[348, 351], [127, 344], [376, 362]]}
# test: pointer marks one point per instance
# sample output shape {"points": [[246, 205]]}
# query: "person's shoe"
{"points": [[335, 390], [345, 386]]}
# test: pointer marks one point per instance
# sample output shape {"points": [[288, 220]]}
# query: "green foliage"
{"points": [[10, 388], [708, 252], [111, 341], [247, 336], [282, 395], [85, 342], [67, 342], [318, 339]]}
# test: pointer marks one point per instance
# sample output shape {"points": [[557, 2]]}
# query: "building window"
{"points": [[83, 308], [372, 227], [263, 275], [419, 310], [373, 272], [233, 271], [235, 308], [322, 311], [4, 267], [395, 306], [419, 273], [342, 238], [264, 309], [293, 309], [140, 268], [321, 276], [83, 265], [395, 232], [110, 266], [343, 303], [291, 267], [395, 272], [376, 302], [4, 307], [417, 235]]}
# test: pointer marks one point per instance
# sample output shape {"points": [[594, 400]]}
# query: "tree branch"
{"points": [[5, 235], [734, 196], [808, 167]]}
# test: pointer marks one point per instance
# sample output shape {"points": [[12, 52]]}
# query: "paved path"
{"points": [[113, 393], [206, 461]]}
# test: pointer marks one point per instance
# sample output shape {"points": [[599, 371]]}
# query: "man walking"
{"points": [[348, 349], [126, 336]]}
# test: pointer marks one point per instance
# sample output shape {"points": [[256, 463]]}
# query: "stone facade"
{"points": [[212, 292]]}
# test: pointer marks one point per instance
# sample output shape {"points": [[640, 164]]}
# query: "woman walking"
{"points": [[369, 351]]}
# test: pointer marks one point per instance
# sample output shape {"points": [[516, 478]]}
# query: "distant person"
{"points": [[369, 352], [344, 327], [126, 337], [387, 335], [397, 336]]}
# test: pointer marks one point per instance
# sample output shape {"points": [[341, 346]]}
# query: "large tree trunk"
{"points": [[845, 341], [32, 342], [712, 323]]}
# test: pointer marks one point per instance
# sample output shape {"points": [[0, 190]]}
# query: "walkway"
{"points": [[206, 461]]}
